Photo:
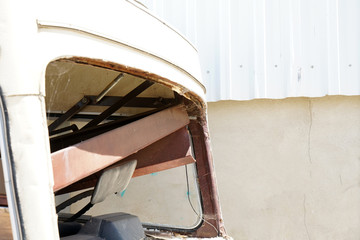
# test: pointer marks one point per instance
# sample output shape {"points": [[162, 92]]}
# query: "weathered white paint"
{"points": [[271, 49], [38, 32]]}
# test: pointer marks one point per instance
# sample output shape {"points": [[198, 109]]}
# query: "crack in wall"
{"points": [[305, 224], [341, 182]]}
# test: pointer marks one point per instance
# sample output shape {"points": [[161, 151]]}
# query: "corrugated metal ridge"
{"points": [[271, 49]]}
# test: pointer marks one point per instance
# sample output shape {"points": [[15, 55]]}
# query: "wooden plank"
{"points": [[163, 166], [83, 159], [91, 181], [3, 200], [164, 154], [174, 146]]}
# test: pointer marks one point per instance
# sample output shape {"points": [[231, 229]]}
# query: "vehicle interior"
{"points": [[123, 154], [107, 127]]}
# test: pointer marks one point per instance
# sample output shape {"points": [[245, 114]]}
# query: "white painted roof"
{"points": [[271, 49]]}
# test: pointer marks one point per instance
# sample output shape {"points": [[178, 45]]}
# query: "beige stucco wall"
{"points": [[288, 169]]}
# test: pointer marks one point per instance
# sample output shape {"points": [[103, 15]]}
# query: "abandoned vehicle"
{"points": [[103, 125]]}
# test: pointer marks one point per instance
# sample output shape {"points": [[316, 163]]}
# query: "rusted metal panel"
{"points": [[212, 225], [81, 160], [171, 151]]}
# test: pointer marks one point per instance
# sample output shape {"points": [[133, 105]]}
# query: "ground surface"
{"points": [[5, 225]]}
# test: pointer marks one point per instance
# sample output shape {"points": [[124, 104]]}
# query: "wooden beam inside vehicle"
{"points": [[169, 152], [163, 166], [3, 200], [79, 161]]}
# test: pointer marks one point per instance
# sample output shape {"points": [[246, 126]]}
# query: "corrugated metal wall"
{"points": [[271, 48]]}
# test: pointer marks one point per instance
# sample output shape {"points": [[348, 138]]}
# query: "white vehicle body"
{"points": [[115, 34]]}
